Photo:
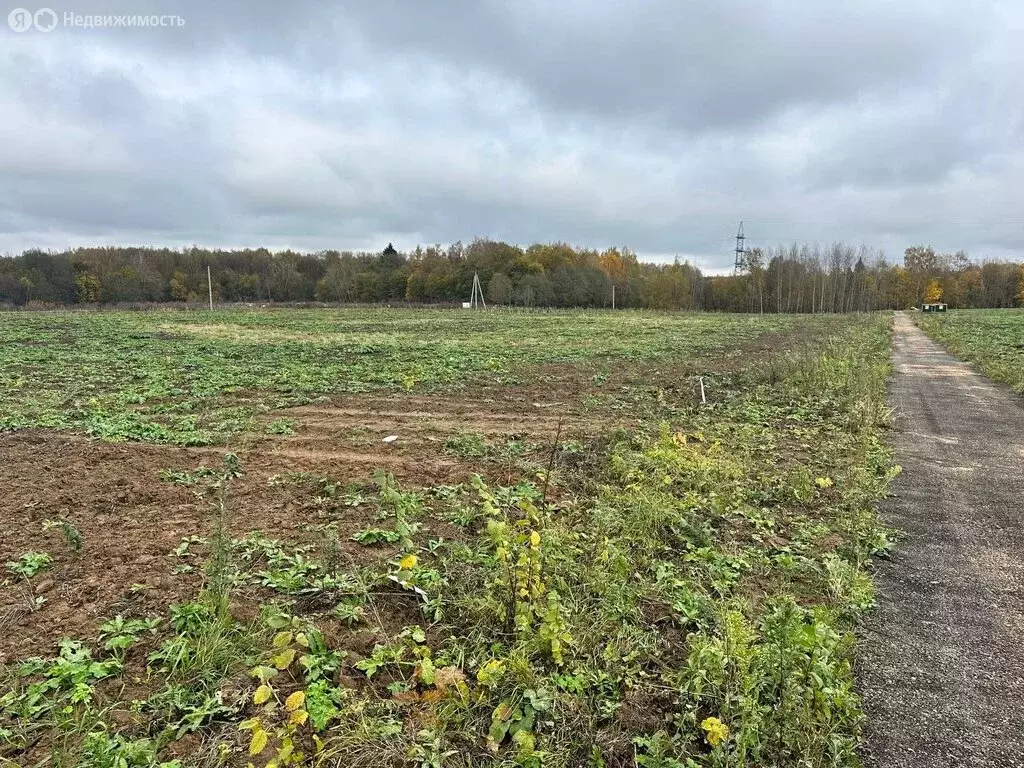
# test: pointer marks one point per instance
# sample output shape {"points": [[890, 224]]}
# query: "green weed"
{"points": [[29, 564], [468, 445]]}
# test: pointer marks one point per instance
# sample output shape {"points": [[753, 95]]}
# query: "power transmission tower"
{"points": [[739, 265]]}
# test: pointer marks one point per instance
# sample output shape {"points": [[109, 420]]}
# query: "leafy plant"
{"points": [[281, 717], [29, 564], [468, 445], [193, 477], [119, 634], [280, 427], [376, 536]]}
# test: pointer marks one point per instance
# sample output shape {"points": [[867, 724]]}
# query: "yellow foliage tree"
{"points": [[933, 292], [613, 265]]}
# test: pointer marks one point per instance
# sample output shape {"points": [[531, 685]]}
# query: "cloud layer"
{"points": [[658, 125]]}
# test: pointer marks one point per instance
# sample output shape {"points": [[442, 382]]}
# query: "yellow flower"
{"points": [[715, 731], [408, 562]]}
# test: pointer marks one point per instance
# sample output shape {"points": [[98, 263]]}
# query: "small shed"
{"points": [[935, 307]]}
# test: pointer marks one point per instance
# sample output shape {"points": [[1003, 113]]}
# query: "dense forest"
{"points": [[835, 278]]}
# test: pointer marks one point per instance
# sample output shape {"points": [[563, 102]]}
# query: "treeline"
{"points": [[842, 278], [836, 278]]}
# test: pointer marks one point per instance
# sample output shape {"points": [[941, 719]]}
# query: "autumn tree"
{"points": [[88, 288], [179, 287], [499, 289], [921, 263], [337, 282]]}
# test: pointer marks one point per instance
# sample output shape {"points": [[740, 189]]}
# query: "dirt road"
{"points": [[941, 662]]}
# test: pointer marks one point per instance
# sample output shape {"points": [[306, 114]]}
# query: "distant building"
{"points": [[935, 307]]}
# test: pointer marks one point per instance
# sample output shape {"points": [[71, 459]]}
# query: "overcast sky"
{"points": [[656, 124]]}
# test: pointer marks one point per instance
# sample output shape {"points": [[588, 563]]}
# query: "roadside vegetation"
{"points": [[992, 339], [674, 596]]}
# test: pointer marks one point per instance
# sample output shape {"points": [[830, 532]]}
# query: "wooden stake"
{"points": [[209, 284]]}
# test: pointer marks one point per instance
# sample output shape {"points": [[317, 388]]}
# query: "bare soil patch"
{"points": [[131, 519]]}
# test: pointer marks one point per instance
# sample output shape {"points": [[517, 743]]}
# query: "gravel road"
{"points": [[941, 661]]}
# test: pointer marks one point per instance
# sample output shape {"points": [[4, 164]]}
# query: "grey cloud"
{"points": [[657, 125], [694, 65]]}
